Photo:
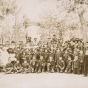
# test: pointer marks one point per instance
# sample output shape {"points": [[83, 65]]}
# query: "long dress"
{"points": [[4, 57]]}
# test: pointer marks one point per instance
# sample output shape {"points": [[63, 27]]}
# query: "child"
{"points": [[33, 64], [76, 65], [81, 58], [25, 67], [50, 64], [42, 64], [60, 65], [18, 67], [69, 65], [27, 55], [1, 66], [9, 68], [57, 54], [46, 57], [65, 58]]}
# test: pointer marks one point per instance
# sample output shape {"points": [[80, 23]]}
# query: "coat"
{"points": [[76, 64]]}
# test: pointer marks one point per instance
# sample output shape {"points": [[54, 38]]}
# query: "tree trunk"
{"points": [[16, 29], [83, 28], [7, 26]]}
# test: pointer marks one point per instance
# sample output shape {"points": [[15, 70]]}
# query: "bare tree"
{"points": [[79, 7]]}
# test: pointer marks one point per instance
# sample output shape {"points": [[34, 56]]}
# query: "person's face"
{"points": [[35, 51], [45, 45], [58, 50], [50, 58], [61, 48], [35, 39], [66, 52], [72, 42], [13, 43], [4, 50], [51, 51], [25, 61], [81, 52], [1, 47], [41, 50], [34, 58], [23, 53], [41, 57], [76, 57], [75, 52], [18, 48], [60, 58], [54, 36], [79, 42], [69, 58], [75, 42], [46, 50], [86, 48], [27, 49], [48, 39], [17, 61]]}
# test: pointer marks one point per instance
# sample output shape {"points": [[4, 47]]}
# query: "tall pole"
{"points": [[16, 28], [83, 28]]}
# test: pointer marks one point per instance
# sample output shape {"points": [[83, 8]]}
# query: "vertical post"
{"points": [[16, 28], [7, 25], [83, 28]]}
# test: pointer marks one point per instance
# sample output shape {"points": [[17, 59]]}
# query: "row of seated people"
{"points": [[37, 66]]}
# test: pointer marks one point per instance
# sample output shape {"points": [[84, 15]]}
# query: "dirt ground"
{"points": [[43, 80]]}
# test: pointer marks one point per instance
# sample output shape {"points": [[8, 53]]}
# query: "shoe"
{"points": [[84, 75]]}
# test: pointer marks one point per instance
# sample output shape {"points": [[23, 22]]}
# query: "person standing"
{"points": [[4, 56], [86, 60]]}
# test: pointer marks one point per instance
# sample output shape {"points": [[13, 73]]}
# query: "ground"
{"points": [[43, 80]]}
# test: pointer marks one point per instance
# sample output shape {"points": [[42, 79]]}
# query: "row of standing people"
{"points": [[48, 58], [51, 59]]}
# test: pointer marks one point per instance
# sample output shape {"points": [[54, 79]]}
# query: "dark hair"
{"points": [[13, 42]]}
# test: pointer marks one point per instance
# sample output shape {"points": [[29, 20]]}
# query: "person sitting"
{"points": [[25, 67], [9, 68], [18, 67]]}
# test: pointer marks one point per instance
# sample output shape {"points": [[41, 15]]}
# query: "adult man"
{"points": [[18, 54], [35, 42], [86, 60]]}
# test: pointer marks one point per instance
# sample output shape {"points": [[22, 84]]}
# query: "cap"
{"points": [[54, 35], [13, 42], [35, 38], [49, 38]]}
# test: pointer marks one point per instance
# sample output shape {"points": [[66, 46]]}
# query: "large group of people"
{"points": [[51, 56]]}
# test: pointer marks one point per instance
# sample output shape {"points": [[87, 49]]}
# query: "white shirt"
{"points": [[86, 53]]}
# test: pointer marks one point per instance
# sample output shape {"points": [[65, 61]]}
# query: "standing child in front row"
{"points": [[69, 65], [81, 58], [50, 64], [33, 64], [76, 65], [42, 64]]}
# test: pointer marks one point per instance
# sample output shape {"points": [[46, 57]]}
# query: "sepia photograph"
{"points": [[43, 43]]}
